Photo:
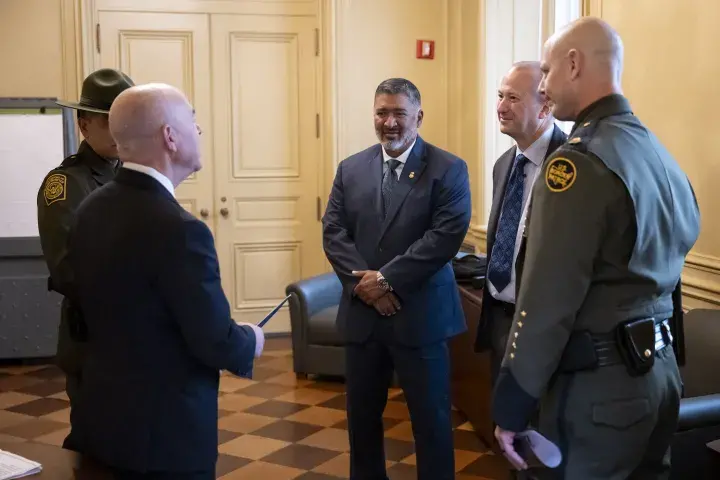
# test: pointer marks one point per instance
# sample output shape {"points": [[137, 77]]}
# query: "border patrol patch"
{"points": [[560, 174], [55, 190]]}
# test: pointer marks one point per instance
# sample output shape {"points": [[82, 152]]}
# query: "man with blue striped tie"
{"points": [[523, 115]]}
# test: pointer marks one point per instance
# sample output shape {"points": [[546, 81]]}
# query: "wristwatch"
{"points": [[382, 283]]}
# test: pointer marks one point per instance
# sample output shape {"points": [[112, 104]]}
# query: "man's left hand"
{"points": [[506, 439], [368, 288]]}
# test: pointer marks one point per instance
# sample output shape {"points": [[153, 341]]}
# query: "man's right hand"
{"points": [[259, 337], [387, 305]]}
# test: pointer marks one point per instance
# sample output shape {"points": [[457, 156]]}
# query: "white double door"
{"points": [[252, 81]]}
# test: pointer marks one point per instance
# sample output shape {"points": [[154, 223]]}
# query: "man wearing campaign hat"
{"points": [[62, 191]]}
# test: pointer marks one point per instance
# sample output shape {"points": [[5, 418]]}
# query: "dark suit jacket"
{"points": [[146, 277], [501, 173], [425, 226]]}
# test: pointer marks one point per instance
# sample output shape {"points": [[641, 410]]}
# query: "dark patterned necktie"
{"points": [[501, 259], [389, 181]]}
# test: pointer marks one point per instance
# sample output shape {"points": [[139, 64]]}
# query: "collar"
{"points": [[100, 166], [153, 173], [538, 150], [613, 104], [403, 157]]}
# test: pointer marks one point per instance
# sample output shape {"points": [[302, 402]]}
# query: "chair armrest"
{"points": [[316, 293], [699, 412]]}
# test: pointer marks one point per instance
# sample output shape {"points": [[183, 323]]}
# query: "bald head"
{"points": [[582, 62], [154, 125]]}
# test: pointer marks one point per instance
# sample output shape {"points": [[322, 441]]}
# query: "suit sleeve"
{"points": [[191, 287], [449, 225], [573, 201], [58, 199], [338, 241]]}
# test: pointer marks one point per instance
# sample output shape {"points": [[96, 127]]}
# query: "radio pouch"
{"points": [[636, 343]]}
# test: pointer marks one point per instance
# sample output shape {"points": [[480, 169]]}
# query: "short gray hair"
{"points": [[396, 86]]}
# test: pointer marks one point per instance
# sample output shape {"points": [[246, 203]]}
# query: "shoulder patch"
{"points": [[560, 174], [55, 188]]}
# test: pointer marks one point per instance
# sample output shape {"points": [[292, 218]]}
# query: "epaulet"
{"points": [[581, 136], [69, 161]]}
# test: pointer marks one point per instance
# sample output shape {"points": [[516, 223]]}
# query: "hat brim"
{"points": [[77, 106]]}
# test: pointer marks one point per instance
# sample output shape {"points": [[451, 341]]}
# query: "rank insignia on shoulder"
{"points": [[560, 174], [55, 190], [575, 140]]}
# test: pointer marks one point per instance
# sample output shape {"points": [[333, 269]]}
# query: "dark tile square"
{"points": [[225, 436], [287, 431], [265, 390], [44, 389], [276, 409], [401, 471], [228, 463], [328, 386], [316, 476], [16, 382], [490, 466], [50, 372], [40, 407], [338, 403], [300, 456], [396, 450], [469, 441]]}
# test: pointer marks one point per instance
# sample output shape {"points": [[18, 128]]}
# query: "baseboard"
{"points": [[278, 335]]}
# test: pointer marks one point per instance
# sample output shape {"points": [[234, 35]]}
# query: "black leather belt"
{"points": [[586, 351]]}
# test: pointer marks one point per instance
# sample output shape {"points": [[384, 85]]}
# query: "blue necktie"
{"points": [[501, 259]]}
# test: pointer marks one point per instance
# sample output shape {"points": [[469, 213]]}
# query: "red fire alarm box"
{"points": [[426, 49]]}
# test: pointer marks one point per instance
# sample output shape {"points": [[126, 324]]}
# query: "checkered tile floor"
{"points": [[275, 427]]}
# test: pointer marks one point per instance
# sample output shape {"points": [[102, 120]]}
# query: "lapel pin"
{"points": [[412, 175]]}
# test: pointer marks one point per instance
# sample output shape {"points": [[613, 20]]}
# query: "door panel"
{"points": [[267, 159], [172, 49]]}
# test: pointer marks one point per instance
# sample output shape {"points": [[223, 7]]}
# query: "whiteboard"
{"points": [[31, 144]]}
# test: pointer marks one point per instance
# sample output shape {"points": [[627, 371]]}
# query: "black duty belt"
{"points": [[588, 351]]}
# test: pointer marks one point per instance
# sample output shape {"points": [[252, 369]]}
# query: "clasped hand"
{"points": [[370, 292]]}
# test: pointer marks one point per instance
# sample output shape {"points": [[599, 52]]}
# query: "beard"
{"points": [[402, 141]]}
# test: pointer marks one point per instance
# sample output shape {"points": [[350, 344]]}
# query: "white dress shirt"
{"points": [[153, 173], [402, 159], [535, 153]]}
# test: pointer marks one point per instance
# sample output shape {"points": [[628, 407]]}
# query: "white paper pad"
{"points": [[15, 466]]}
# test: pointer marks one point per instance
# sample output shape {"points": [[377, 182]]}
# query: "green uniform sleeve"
{"points": [[568, 220], [58, 198]]}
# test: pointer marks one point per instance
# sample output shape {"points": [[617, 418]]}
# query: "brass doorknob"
{"points": [[224, 212], [204, 213]]}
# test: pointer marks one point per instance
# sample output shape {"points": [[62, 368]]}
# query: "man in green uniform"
{"points": [[64, 188], [612, 219]]}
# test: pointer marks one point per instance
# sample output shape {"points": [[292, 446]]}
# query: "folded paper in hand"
{"points": [[536, 450], [15, 466], [274, 311]]}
